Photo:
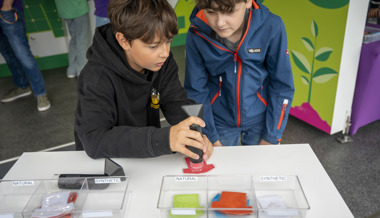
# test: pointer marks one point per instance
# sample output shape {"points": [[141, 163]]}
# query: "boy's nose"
{"points": [[165, 50], [220, 20]]}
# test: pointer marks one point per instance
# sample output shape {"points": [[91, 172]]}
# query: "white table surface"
{"points": [[145, 175]]}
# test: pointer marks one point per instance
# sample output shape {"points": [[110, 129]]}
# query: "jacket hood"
{"points": [[106, 51], [259, 14]]}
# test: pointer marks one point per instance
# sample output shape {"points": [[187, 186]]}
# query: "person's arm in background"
{"points": [[280, 89], [374, 10], [196, 85], [173, 97], [7, 5]]}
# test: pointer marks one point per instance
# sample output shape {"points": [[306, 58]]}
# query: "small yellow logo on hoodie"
{"points": [[155, 96]]}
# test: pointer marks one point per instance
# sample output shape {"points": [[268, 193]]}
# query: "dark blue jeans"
{"points": [[16, 51], [231, 136]]}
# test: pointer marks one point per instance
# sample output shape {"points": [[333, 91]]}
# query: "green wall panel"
{"points": [[315, 31]]}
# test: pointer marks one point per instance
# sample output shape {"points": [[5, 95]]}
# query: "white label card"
{"points": [[6, 215], [22, 183], [107, 181], [98, 214], [186, 179], [183, 212], [273, 178]]}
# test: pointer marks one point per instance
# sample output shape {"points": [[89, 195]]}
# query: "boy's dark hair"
{"points": [[224, 6], [143, 19]]}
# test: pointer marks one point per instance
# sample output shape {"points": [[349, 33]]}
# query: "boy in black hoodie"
{"points": [[130, 75]]}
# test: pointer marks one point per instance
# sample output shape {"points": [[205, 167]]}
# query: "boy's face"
{"points": [[228, 25], [141, 55]]}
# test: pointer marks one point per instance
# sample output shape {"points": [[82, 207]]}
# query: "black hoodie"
{"points": [[115, 115]]}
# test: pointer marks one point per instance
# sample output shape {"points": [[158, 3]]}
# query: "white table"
{"points": [[146, 174]]}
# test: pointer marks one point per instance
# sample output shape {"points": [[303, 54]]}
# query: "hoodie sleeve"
{"points": [[97, 128], [196, 78], [281, 87]]}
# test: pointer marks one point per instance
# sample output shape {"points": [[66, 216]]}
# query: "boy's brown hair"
{"points": [[143, 19], [224, 6]]}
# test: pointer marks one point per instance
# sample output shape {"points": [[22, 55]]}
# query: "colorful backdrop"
{"points": [[315, 32], [325, 39], [318, 31], [45, 33], [47, 38]]}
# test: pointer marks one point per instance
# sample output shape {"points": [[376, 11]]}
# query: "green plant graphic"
{"points": [[321, 75], [330, 4]]}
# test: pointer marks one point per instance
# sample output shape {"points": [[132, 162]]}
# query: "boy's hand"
{"points": [[209, 148], [181, 135], [217, 144], [7, 5], [374, 12], [263, 142]]}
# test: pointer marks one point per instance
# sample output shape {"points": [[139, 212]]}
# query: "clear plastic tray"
{"points": [[14, 195], [280, 196], [204, 196], [91, 197], [371, 34]]}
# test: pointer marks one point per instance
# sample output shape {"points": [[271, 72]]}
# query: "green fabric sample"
{"points": [[186, 201]]}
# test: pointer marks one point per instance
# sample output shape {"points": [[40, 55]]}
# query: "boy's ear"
{"points": [[123, 42]]}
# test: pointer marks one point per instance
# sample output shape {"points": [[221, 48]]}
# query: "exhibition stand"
{"points": [[145, 175], [366, 103]]}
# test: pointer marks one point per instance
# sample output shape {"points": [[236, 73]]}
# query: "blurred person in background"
{"points": [[101, 14], [75, 15], [16, 51]]}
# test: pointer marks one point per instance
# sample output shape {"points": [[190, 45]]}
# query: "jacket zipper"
{"points": [[237, 59], [219, 93], [238, 70], [220, 85], [235, 55], [285, 103], [260, 97]]}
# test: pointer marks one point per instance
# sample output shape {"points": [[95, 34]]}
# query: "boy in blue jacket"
{"points": [[237, 65]]}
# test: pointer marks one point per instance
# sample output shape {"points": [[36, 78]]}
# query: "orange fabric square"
{"points": [[232, 200]]}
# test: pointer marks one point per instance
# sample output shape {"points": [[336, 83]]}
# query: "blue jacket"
{"points": [[253, 86]]}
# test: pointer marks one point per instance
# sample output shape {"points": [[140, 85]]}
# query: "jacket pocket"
{"points": [[9, 17], [261, 98], [219, 93], [284, 104]]}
